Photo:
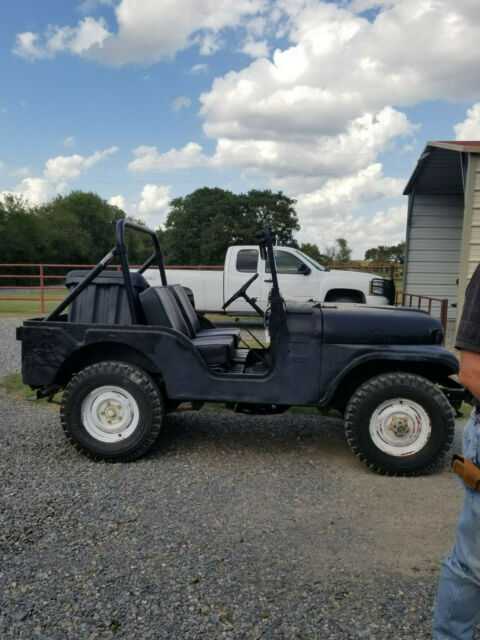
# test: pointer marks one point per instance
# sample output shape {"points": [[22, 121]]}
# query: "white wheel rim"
{"points": [[400, 427], [110, 414]]}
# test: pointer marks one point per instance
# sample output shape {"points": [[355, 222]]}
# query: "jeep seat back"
{"points": [[104, 301], [191, 318], [160, 309]]}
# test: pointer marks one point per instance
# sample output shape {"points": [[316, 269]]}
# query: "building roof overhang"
{"points": [[442, 160]]}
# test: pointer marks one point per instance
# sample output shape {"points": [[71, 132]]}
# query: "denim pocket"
{"points": [[471, 440]]}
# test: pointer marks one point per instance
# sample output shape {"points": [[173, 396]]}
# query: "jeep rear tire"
{"points": [[399, 424], [112, 411]]}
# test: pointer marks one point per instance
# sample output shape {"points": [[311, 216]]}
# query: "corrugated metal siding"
{"points": [[434, 243], [474, 244]]}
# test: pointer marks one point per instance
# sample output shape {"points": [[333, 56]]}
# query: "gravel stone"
{"points": [[234, 527]]}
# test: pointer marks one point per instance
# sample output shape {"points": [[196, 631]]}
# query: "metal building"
{"points": [[443, 225]]}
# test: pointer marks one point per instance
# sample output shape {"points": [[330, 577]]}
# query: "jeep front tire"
{"points": [[399, 424]]}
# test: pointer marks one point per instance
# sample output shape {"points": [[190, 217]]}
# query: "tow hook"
{"points": [[456, 397], [48, 392]]}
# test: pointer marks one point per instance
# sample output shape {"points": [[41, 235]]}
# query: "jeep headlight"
{"points": [[377, 287]]}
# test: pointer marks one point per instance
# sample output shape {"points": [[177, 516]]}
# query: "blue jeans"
{"points": [[458, 597]]}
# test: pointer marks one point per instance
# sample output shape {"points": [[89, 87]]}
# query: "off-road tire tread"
{"points": [[150, 389], [378, 383]]}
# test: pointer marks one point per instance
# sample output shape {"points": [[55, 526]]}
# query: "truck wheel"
{"points": [[399, 424], [112, 411]]}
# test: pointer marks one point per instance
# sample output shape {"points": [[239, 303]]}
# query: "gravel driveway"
{"points": [[233, 527]]}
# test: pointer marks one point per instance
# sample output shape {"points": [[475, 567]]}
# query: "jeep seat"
{"points": [[160, 309], [104, 301], [191, 318]]}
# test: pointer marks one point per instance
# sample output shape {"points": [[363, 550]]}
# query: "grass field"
{"points": [[29, 308]]}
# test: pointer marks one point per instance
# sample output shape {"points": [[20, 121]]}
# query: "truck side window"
{"points": [[286, 263], [247, 260]]}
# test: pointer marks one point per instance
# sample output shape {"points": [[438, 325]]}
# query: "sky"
{"points": [[142, 101]]}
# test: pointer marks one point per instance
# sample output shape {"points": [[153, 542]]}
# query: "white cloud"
{"points": [[348, 193], [340, 66], [69, 141], [118, 201], [23, 171], [88, 35], [320, 156], [55, 175], [89, 6], [154, 200], [35, 190], [149, 159], [255, 49], [384, 227], [147, 31], [151, 207], [469, 129], [257, 26], [182, 102], [209, 43], [199, 68], [70, 167]]}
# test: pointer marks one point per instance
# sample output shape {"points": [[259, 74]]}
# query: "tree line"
{"points": [[79, 228]]}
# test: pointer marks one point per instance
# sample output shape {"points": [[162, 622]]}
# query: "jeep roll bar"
{"points": [[264, 237], [120, 250]]}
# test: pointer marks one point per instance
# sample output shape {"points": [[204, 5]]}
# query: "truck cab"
{"points": [[300, 279]]}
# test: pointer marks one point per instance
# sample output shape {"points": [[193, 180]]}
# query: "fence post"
{"points": [[42, 291], [443, 317]]}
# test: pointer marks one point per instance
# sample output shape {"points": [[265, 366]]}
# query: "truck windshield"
{"points": [[311, 261]]}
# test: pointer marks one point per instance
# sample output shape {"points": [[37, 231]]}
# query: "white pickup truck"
{"points": [[300, 279]]}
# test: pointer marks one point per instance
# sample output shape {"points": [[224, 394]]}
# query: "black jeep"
{"points": [[127, 353]]}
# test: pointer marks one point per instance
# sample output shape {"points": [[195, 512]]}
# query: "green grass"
{"points": [[15, 388], [29, 308]]}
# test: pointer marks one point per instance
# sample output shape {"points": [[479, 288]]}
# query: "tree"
{"points": [[312, 251], [202, 225], [77, 228], [19, 231], [394, 254], [340, 253], [274, 209]]}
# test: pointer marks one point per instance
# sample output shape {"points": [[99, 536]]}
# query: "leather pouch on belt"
{"points": [[468, 471]]}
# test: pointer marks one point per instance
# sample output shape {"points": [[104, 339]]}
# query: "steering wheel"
{"points": [[241, 292]]}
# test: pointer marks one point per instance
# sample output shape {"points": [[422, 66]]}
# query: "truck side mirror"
{"points": [[305, 269]]}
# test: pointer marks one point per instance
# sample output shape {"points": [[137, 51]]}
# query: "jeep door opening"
{"points": [[126, 353]]}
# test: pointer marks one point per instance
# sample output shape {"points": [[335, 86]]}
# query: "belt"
{"points": [[468, 472]]}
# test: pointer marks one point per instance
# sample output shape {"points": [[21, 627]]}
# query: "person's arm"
{"points": [[469, 374]]}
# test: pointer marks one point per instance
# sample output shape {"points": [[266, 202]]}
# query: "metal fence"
{"points": [[434, 306], [20, 279]]}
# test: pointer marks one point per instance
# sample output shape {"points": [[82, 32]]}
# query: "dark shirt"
{"points": [[468, 335]]}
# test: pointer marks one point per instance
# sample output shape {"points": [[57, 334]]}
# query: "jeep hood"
{"points": [[364, 324]]}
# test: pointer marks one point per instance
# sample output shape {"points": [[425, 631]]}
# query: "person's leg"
{"points": [[458, 598]]}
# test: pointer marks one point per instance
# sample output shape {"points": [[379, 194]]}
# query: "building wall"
{"points": [[470, 256], [473, 255], [434, 238]]}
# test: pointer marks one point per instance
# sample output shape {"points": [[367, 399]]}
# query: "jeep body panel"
{"points": [[307, 369]]}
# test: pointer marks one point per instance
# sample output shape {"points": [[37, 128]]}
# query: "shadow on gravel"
{"points": [[190, 430]]}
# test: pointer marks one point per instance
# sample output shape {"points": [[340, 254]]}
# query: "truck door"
{"points": [[245, 265], [294, 284]]}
